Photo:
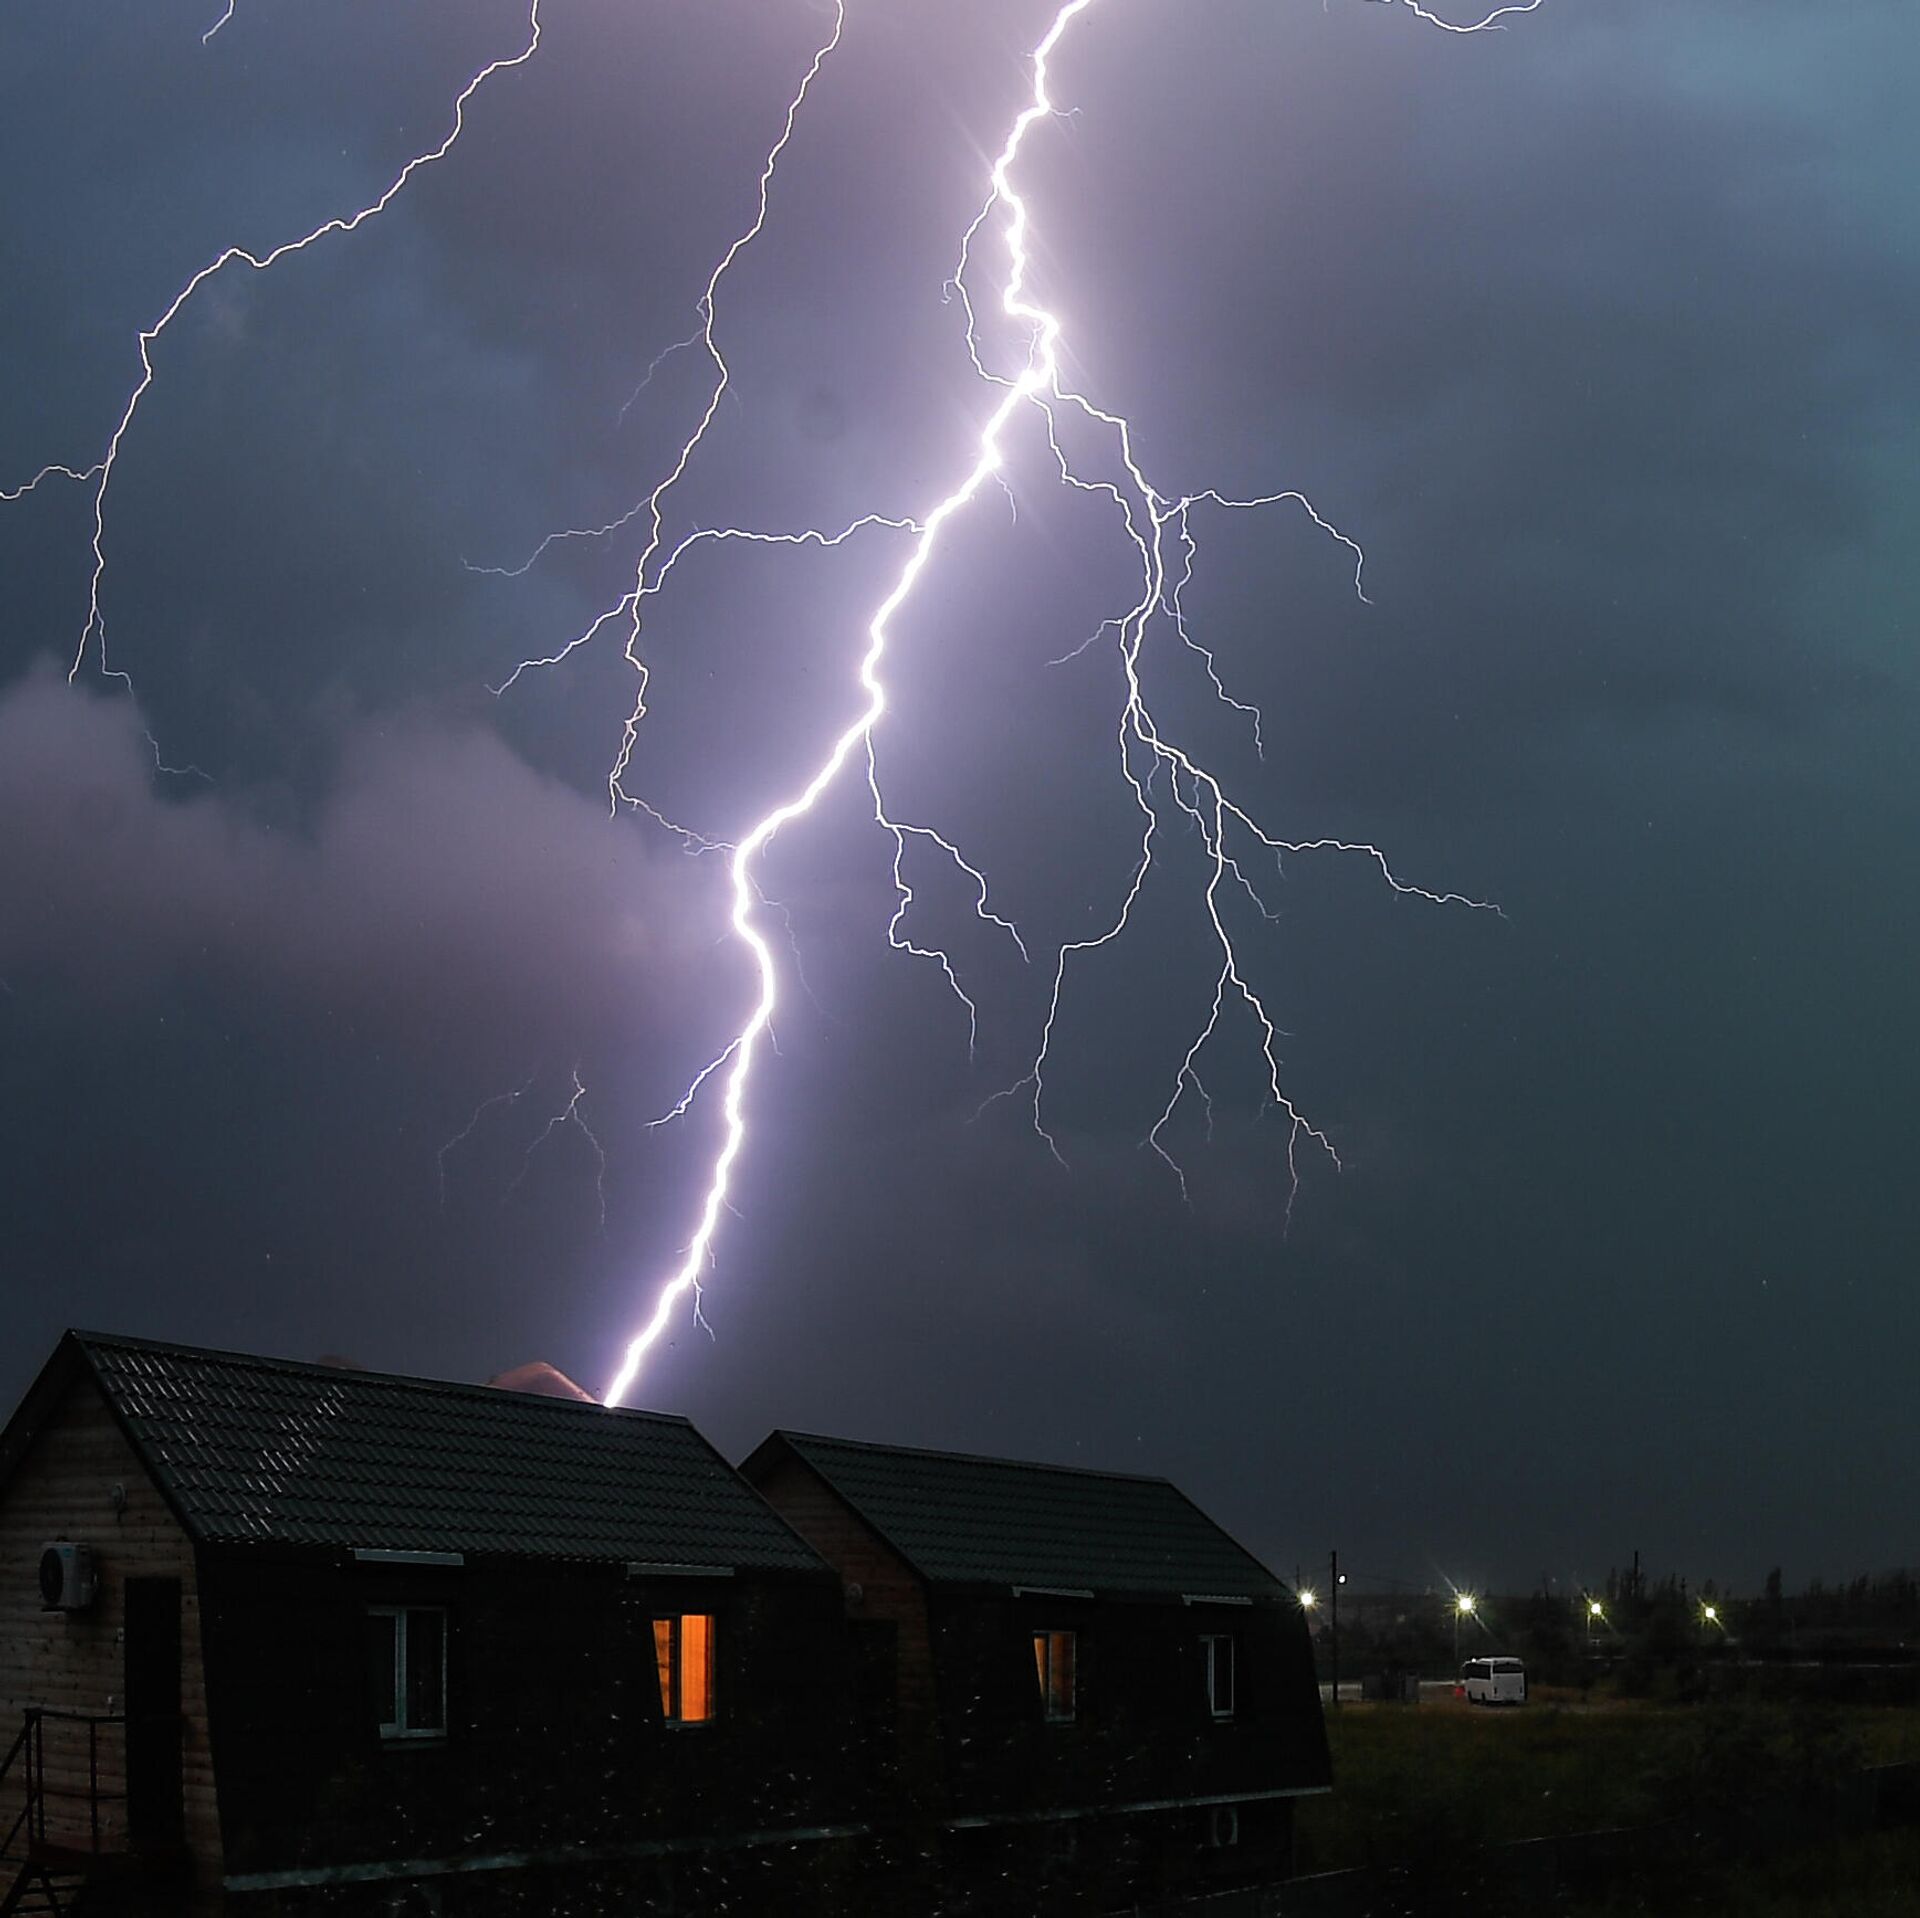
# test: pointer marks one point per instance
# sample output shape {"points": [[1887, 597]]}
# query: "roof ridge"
{"points": [[248, 1450], [1245, 1550], [977, 1458], [970, 1517], [459, 1388]]}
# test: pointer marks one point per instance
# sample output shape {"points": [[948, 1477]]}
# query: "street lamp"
{"points": [[1462, 1608], [1596, 1615], [1335, 1579], [1308, 1597]]}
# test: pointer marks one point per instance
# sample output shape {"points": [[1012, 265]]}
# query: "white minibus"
{"points": [[1494, 1681]]}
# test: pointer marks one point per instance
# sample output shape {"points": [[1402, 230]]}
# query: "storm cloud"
{"points": [[440, 888], [1596, 332]]}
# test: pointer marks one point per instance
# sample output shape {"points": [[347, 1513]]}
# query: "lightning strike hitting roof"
{"points": [[1159, 525], [1146, 752]]}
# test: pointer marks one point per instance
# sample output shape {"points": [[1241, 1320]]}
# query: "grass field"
{"points": [[1411, 1783], [1871, 1877]]}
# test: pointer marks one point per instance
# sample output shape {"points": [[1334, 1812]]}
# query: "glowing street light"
{"points": [[1463, 1604], [1308, 1597], [1335, 1579]]}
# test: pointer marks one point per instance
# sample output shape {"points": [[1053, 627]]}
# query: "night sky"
{"points": [[1598, 333]]}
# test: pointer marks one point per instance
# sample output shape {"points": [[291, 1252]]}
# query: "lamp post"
{"points": [[1334, 1582], [1462, 1608], [1596, 1614]]}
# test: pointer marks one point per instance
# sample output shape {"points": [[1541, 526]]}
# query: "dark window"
{"points": [[407, 1670], [1053, 1661], [683, 1655], [1219, 1650]]}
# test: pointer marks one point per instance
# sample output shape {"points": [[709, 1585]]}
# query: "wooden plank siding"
{"points": [[64, 1488], [1010, 1815], [889, 1589], [554, 1736]]}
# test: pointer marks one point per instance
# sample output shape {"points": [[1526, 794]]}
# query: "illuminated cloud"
{"points": [[440, 886]]}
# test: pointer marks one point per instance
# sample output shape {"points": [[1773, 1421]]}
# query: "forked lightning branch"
{"points": [[1158, 769], [1177, 801]]}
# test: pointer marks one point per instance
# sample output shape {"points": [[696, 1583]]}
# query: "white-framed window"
{"points": [[683, 1656], [407, 1669], [1053, 1664], [1218, 1647]]}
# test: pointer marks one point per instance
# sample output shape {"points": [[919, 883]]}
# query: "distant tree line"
{"points": [[1642, 1635]]}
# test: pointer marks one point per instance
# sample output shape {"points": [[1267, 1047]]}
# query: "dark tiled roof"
{"points": [[1000, 1521], [263, 1451]]}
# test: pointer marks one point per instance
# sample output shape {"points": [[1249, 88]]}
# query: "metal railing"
{"points": [[20, 1753], [29, 1752]]}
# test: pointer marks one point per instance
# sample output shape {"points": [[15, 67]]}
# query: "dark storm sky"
{"points": [[1597, 332]]}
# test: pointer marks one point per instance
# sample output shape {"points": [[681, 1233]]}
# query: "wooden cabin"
{"points": [[282, 1638], [1091, 1696], [288, 1639]]}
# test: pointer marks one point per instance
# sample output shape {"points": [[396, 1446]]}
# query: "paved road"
{"points": [[1433, 1691]]}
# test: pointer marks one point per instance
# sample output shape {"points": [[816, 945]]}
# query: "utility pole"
{"points": [[1333, 1620]]}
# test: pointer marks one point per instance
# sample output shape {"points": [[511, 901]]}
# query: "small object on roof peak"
{"points": [[547, 1380]]}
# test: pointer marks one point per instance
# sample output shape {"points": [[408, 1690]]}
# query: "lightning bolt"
{"points": [[466, 1132], [568, 1116], [1169, 785], [102, 471], [54, 471], [630, 605], [1152, 520], [1491, 22]]}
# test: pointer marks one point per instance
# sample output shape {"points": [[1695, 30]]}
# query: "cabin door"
{"points": [[155, 1815]]}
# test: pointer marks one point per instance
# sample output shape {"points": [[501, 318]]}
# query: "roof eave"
{"points": [[49, 1384], [70, 1361]]}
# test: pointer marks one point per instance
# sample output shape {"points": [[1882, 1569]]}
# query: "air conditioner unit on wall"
{"points": [[67, 1583]]}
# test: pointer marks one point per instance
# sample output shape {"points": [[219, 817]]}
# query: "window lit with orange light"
{"points": [[683, 1652], [1053, 1664]]}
